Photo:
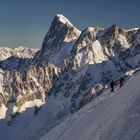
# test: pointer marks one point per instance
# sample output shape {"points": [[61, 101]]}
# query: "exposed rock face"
{"points": [[70, 63], [61, 32], [13, 63]]}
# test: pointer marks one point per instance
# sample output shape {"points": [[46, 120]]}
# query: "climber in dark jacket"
{"points": [[112, 84]]}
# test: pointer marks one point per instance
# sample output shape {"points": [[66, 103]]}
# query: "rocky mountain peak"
{"points": [[89, 34], [112, 32], [86, 38], [61, 28], [63, 19], [60, 32]]}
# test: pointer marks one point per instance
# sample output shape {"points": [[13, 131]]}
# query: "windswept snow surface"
{"points": [[114, 117]]}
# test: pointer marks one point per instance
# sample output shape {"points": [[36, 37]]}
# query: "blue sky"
{"points": [[25, 22]]}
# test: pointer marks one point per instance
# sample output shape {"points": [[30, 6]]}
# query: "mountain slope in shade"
{"points": [[113, 118]]}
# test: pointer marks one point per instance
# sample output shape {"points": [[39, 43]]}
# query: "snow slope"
{"points": [[30, 125], [114, 118]]}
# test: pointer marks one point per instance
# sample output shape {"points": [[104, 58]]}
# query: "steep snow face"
{"points": [[63, 54], [108, 117]]}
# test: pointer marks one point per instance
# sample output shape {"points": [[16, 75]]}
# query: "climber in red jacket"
{"points": [[122, 81]]}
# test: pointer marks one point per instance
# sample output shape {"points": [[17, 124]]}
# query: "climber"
{"points": [[112, 84], [122, 81]]}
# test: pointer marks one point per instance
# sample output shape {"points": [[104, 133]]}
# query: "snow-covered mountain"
{"points": [[61, 76], [58, 41], [20, 52]]}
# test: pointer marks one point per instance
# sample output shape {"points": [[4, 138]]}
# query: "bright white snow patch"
{"points": [[90, 29], [133, 29], [3, 110], [64, 20], [123, 41], [29, 104]]}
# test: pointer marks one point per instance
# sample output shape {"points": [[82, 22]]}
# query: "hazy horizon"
{"points": [[25, 23]]}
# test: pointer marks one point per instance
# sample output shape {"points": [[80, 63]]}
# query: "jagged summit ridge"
{"points": [[60, 32], [63, 19], [60, 24], [98, 43]]}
